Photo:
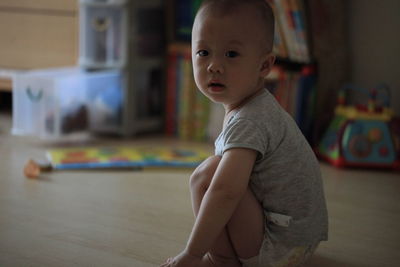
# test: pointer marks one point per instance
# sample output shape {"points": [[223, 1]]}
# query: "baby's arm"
{"points": [[227, 188]]}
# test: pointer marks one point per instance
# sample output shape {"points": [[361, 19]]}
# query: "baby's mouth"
{"points": [[216, 86]]}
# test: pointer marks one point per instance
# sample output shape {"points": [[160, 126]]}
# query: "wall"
{"points": [[38, 34], [375, 44]]}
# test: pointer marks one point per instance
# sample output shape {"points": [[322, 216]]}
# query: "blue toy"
{"points": [[362, 135]]}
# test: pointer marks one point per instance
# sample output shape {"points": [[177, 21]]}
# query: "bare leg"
{"points": [[243, 235], [246, 227]]}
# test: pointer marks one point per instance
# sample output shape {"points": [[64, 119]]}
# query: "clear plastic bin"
{"points": [[105, 101], [54, 103], [103, 31]]}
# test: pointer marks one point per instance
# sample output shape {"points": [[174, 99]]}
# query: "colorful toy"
{"points": [[362, 135]]}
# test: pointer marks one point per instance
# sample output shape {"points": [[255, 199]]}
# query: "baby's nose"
{"points": [[215, 66]]}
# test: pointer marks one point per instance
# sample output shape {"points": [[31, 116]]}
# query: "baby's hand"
{"points": [[184, 259]]}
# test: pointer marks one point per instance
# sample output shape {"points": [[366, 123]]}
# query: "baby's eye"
{"points": [[202, 53], [231, 54]]}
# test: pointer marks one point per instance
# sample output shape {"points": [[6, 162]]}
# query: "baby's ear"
{"points": [[267, 64]]}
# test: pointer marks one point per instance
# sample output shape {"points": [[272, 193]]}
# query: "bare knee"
{"points": [[202, 175]]}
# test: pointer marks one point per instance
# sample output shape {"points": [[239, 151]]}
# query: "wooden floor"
{"points": [[127, 218]]}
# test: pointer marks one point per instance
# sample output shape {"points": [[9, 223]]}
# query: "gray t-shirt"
{"points": [[286, 177]]}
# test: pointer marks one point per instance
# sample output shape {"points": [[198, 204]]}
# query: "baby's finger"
{"points": [[167, 263], [164, 264]]}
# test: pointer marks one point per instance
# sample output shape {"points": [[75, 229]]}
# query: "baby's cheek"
{"points": [[197, 78]]}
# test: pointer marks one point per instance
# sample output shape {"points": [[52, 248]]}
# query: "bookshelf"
{"points": [[187, 110], [330, 50], [145, 71], [294, 77], [293, 80]]}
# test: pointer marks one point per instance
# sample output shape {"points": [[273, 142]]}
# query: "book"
{"points": [[281, 16], [170, 117], [185, 100], [298, 13], [201, 115], [126, 157], [279, 46], [295, 91], [183, 20], [305, 110], [185, 13], [187, 109], [289, 17], [290, 39]]}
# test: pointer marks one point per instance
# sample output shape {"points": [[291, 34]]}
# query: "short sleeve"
{"points": [[244, 133]]}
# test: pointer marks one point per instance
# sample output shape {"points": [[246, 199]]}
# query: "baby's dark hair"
{"points": [[228, 6]]}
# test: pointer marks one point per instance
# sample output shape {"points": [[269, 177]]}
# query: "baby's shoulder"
{"points": [[262, 110]]}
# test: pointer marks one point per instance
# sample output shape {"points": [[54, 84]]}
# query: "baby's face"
{"points": [[229, 60]]}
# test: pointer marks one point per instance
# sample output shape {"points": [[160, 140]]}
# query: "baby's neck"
{"points": [[244, 101], [231, 110]]}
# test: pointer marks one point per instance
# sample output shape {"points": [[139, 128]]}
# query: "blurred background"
{"points": [[123, 67]]}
